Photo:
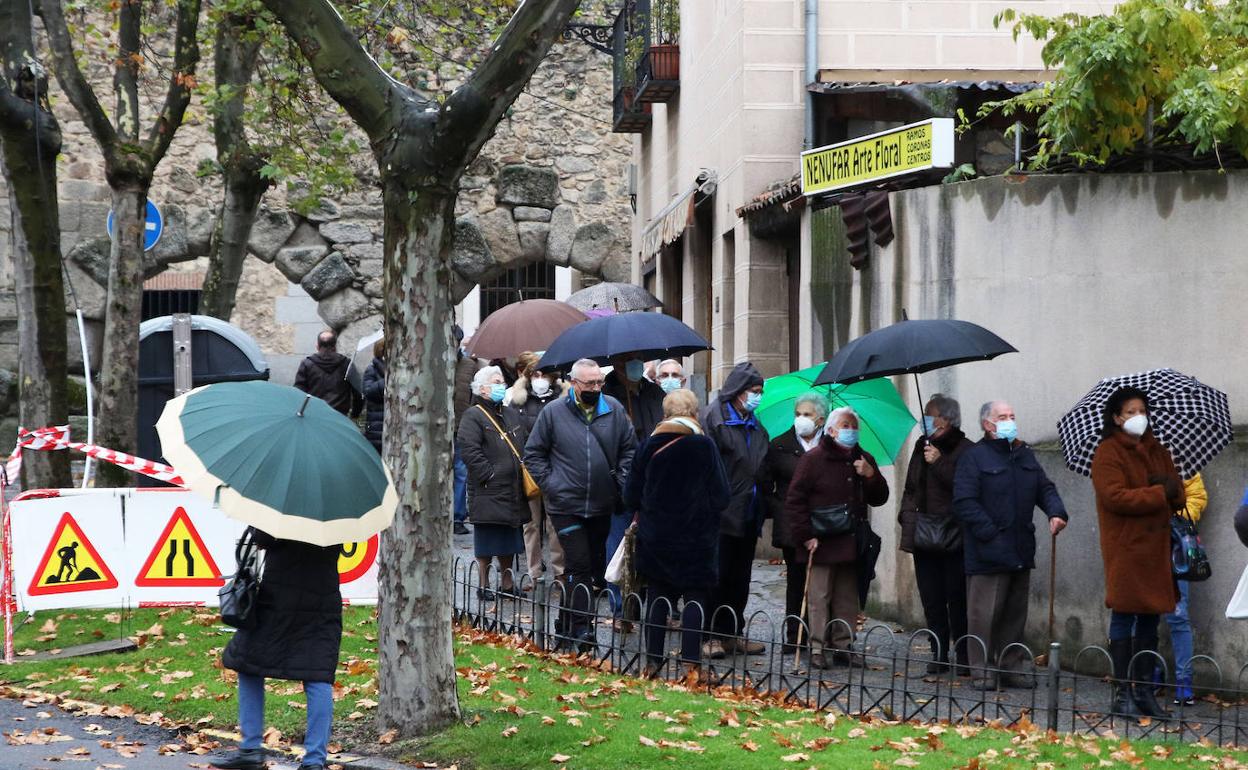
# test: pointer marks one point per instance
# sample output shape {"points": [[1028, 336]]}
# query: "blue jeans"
{"points": [[619, 523], [320, 696], [1181, 637], [461, 488]]}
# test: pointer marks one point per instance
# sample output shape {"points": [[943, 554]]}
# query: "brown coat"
{"points": [[1134, 520], [825, 476]]}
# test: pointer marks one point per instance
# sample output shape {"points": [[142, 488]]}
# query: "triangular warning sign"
{"points": [[70, 564], [179, 557]]}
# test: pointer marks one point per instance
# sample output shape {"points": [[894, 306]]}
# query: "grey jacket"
{"points": [[581, 465]]}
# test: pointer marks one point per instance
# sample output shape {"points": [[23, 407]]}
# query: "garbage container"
{"points": [[219, 353]]}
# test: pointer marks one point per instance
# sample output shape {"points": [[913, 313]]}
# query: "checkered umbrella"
{"points": [[1189, 418]]}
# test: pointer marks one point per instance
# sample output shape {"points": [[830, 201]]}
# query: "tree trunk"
{"points": [[243, 190], [417, 688], [119, 364], [31, 178]]}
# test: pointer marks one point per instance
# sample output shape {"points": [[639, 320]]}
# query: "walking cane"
{"points": [[1043, 659], [797, 652]]}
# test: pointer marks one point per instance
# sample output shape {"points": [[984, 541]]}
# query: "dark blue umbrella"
{"points": [[651, 335], [912, 347]]}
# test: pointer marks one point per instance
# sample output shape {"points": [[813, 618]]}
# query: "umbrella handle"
{"points": [[304, 405]]}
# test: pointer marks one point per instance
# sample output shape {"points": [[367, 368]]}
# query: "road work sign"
{"points": [[908, 149], [70, 563]]}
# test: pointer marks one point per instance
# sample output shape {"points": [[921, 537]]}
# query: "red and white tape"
{"points": [[57, 437]]}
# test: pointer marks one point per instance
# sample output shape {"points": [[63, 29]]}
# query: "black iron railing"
{"points": [[889, 675]]}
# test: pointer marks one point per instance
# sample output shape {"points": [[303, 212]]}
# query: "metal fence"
{"points": [[1072, 689]]}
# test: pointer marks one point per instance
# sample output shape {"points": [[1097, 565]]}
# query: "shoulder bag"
{"points": [[1187, 554], [237, 598], [934, 533], [531, 489]]}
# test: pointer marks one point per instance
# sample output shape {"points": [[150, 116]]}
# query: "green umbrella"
{"points": [[280, 460], [885, 420]]}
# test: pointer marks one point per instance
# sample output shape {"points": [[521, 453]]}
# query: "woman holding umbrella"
{"points": [[1137, 490], [927, 503], [489, 439]]}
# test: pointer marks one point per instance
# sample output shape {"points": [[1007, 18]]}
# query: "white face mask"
{"points": [[541, 386], [1136, 425], [804, 426]]}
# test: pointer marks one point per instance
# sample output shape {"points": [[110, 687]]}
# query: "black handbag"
{"points": [[934, 533], [238, 596], [831, 520], [1187, 554]]}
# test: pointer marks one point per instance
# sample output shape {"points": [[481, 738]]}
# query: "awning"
{"points": [[668, 224]]}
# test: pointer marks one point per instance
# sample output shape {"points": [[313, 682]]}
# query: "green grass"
{"points": [[523, 709]]}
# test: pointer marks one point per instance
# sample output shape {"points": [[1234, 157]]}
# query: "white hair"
{"points": [[667, 361], [582, 364], [844, 411], [484, 375]]}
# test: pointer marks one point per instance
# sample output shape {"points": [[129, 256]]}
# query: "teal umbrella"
{"points": [[280, 460], [885, 420]]}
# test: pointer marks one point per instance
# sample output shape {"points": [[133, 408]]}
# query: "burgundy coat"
{"points": [[825, 476]]}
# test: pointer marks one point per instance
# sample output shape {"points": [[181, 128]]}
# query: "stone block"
{"points": [[183, 180], [367, 252], [343, 307], [325, 211], [591, 246], [500, 233], [296, 261], [333, 273], [269, 232], [562, 233], [470, 254], [92, 256], [532, 239], [530, 214], [349, 337], [199, 224], [460, 287], [84, 190], [521, 185], [573, 164], [596, 192], [172, 246], [346, 232], [617, 267]]}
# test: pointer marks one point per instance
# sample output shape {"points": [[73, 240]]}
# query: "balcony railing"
{"points": [[646, 42]]}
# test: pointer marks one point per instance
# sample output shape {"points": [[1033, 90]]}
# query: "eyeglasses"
{"points": [[591, 383]]}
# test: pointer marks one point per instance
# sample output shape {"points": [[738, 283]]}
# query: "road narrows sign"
{"points": [[70, 563], [179, 557]]}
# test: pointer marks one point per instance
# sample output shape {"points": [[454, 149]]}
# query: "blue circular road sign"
{"points": [[153, 226]]}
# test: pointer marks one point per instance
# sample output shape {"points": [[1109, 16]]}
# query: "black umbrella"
{"points": [[650, 335], [620, 297], [912, 347]]}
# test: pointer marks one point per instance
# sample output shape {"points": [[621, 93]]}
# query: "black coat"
{"points": [[375, 401], [581, 463], [929, 487], [324, 375], [644, 408], [742, 448], [782, 456], [996, 490], [678, 488], [298, 615], [495, 486]]}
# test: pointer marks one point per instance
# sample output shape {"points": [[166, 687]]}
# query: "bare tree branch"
{"points": [[181, 81], [472, 112], [72, 81], [342, 66]]}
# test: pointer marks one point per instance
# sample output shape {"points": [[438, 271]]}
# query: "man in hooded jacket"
{"points": [[324, 375], [742, 441]]}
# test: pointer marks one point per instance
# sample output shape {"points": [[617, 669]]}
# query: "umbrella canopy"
{"points": [[620, 297], [530, 324], [912, 347], [279, 460], [1189, 418], [361, 358], [885, 421], [652, 335]]}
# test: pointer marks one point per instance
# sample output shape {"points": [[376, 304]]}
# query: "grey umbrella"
{"points": [[620, 297]]}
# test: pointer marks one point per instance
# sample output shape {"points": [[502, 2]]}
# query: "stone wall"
{"points": [[550, 185]]}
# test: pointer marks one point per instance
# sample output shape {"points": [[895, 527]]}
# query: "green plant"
{"points": [[634, 49], [1153, 71], [668, 13]]}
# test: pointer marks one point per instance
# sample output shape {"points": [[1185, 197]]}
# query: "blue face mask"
{"points": [[669, 384], [752, 400], [929, 424], [847, 437], [635, 369], [1006, 429], [497, 391]]}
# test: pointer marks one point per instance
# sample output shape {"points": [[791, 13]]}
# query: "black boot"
{"points": [[243, 759], [1120, 653], [1143, 692]]}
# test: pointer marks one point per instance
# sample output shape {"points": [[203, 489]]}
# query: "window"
{"points": [[535, 281], [162, 302]]}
